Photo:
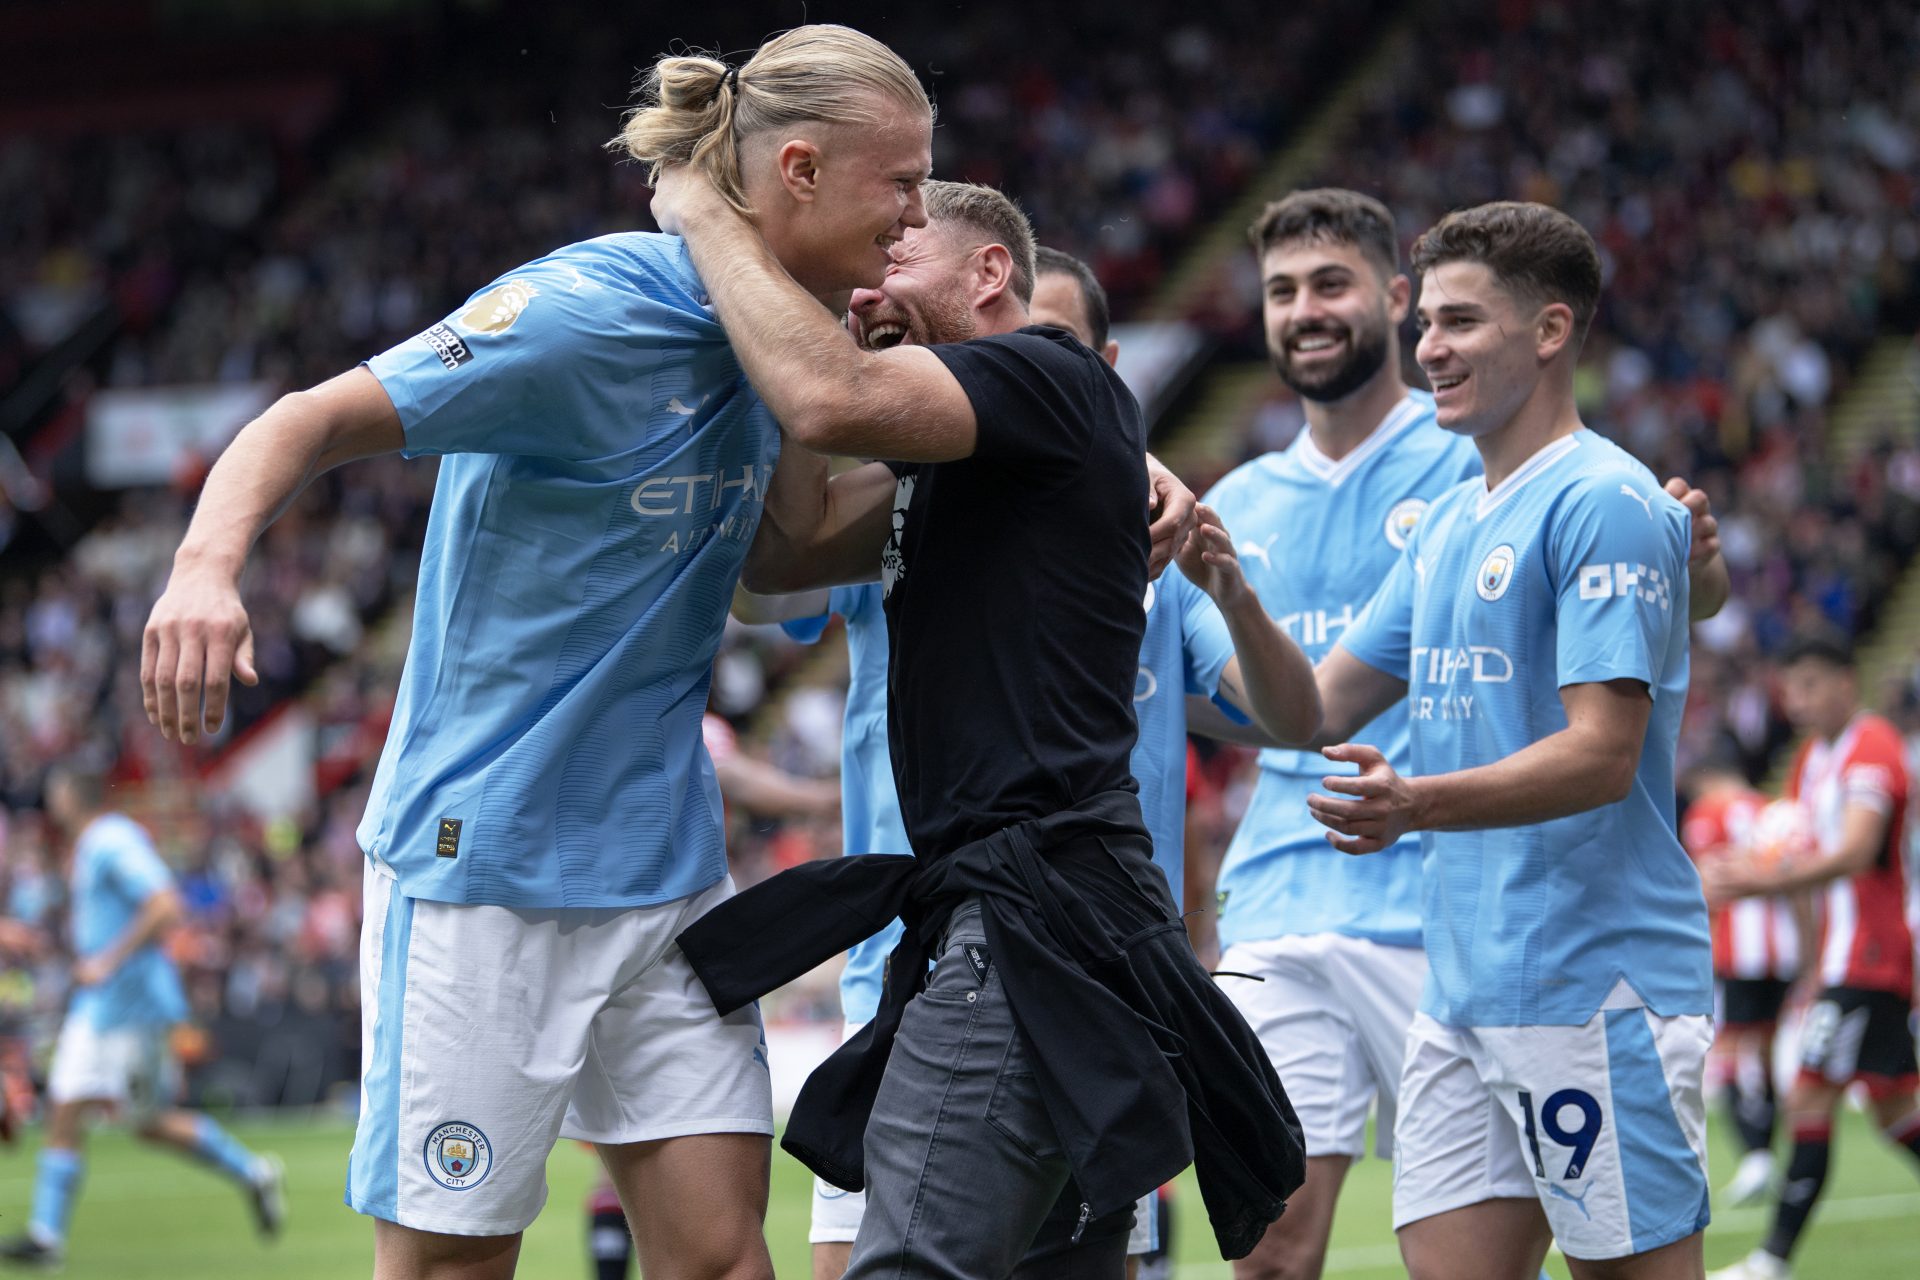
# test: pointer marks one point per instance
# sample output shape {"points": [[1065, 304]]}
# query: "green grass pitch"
{"points": [[143, 1214]]}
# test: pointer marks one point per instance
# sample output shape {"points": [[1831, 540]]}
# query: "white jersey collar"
{"points": [[1526, 471], [1321, 467]]}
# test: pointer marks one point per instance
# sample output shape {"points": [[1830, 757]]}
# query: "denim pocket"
{"points": [[1016, 1110]]}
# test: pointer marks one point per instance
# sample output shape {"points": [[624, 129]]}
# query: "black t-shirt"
{"points": [[1014, 582]]}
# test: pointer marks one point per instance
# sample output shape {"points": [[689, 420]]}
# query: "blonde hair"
{"points": [[697, 110], [994, 215]]}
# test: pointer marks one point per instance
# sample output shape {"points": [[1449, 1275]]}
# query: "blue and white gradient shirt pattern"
{"points": [[1571, 571], [869, 806], [115, 872], [605, 464], [1316, 537]]}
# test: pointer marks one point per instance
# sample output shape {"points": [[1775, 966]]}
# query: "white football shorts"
{"points": [[488, 1033], [131, 1067], [1604, 1123], [1332, 1013]]}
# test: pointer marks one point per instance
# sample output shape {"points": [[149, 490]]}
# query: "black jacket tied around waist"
{"points": [[1144, 1064]]}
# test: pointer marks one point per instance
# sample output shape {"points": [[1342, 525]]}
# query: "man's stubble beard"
{"points": [[1365, 359]]}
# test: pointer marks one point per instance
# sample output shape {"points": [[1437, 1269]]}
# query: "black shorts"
{"points": [[1853, 1034], [1750, 1002]]}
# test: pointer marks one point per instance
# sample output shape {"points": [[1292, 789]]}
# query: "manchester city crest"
{"points": [[1401, 519], [1496, 573], [459, 1157]]}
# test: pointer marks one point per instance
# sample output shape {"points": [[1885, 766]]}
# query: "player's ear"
{"points": [[1553, 331], [1111, 353], [993, 274], [798, 161], [1399, 299]]}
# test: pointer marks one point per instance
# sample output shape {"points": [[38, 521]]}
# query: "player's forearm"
{"points": [[1277, 681], [769, 792], [819, 531], [276, 456], [795, 353], [1708, 589], [1563, 774], [791, 519], [157, 914]]}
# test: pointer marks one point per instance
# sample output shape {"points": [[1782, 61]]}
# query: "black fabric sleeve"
{"points": [[1033, 395]]}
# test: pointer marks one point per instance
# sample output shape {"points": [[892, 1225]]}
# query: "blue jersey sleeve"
{"points": [[1617, 565], [840, 600], [136, 871], [1205, 644], [861, 980], [1381, 636], [484, 379]]}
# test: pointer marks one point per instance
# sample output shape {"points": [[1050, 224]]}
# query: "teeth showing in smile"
{"points": [[1317, 342], [1449, 382], [882, 336]]}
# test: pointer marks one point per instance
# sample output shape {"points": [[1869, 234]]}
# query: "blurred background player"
{"points": [[1334, 941], [1853, 775], [1189, 649], [113, 1052], [543, 819], [1756, 957]]}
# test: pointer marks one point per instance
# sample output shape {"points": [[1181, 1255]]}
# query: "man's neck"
{"points": [[1546, 416], [1341, 426]]}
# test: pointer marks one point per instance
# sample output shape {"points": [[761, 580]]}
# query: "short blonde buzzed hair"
{"points": [[697, 110], [993, 214]]}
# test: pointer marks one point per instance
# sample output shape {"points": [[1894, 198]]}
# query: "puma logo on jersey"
{"points": [[1249, 550], [1638, 497], [684, 409]]}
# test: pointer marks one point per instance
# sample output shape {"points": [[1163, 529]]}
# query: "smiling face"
{"points": [[1329, 316], [926, 297], [1479, 347], [853, 192]]}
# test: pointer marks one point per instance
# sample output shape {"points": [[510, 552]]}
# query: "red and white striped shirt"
{"points": [[1752, 937], [1868, 943]]}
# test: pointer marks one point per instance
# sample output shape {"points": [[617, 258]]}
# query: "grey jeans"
{"points": [[965, 1177]]}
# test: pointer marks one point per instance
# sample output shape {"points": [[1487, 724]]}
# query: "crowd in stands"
{"points": [[1751, 184]]}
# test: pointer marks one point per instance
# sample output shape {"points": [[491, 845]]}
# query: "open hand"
{"points": [[1382, 807], [197, 640], [1209, 560]]}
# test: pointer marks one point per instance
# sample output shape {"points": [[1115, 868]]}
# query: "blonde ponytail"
{"points": [[696, 110]]}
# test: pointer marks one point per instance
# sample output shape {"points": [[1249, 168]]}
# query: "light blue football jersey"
{"points": [[1316, 537], [115, 871], [604, 473], [870, 819], [1185, 648], [1572, 571]]}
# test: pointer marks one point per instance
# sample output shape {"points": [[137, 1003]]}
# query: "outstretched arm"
{"points": [[198, 636], [1267, 677]]}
